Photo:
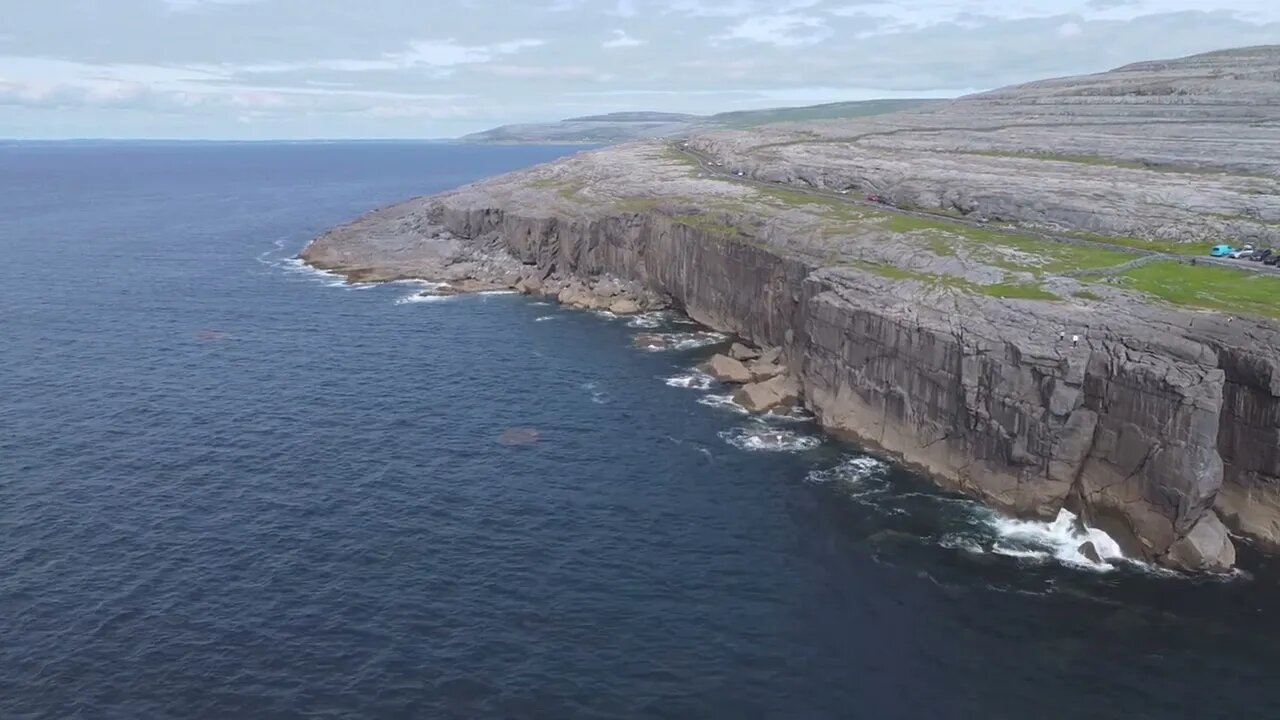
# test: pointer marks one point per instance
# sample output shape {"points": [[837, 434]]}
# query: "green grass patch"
{"points": [[1194, 249], [1044, 255], [675, 154], [710, 224], [636, 205], [1086, 295], [1207, 286], [1018, 291]]}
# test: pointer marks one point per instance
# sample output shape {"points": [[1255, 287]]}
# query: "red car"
{"points": [[877, 199]]}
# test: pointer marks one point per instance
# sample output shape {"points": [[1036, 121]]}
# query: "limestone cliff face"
{"points": [[1130, 427], [943, 342]]}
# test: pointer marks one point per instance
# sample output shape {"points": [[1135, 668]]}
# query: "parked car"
{"points": [[1221, 250], [1273, 260], [1242, 253], [1260, 255]]}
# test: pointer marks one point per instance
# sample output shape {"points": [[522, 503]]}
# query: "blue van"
{"points": [[1221, 250]]}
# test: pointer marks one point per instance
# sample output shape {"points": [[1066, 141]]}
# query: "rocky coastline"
{"points": [[1034, 376]]}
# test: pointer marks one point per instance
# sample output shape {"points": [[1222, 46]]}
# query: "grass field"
{"points": [[1019, 291], [1205, 286]]}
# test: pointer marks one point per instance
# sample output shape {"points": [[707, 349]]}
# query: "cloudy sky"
{"points": [[438, 68]]}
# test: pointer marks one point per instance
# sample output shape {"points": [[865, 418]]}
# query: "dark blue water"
{"points": [[229, 488]]}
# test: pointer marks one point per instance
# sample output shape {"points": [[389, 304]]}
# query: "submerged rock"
{"points": [[1090, 552], [727, 369], [652, 341], [519, 436]]}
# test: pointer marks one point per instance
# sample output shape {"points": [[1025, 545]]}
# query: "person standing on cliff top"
{"points": [[1075, 340]]}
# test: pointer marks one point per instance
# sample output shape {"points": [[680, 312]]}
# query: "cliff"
{"points": [[936, 322]]}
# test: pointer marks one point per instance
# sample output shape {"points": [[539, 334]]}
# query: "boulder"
{"points": [[738, 351], [531, 284], [1090, 552], [771, 355], [624, 307], [569, 295], [607, 287], [761, 371], [727, 369], [777, 392], [1207, 548]]}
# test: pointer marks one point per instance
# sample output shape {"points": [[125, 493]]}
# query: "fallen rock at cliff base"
{"points": [[771, 355], [738, 351], [1207, 548], [727, 369], [624, 307], [761, 371], [775, 393], [1090, 552]]}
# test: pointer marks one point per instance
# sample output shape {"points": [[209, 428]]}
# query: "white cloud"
{"points": [[441, 55], [900, 17], [779, 30], [187, 5], [560, 72], [379, 66], [621, 39]]}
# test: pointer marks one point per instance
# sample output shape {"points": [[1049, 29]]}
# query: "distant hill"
{"points": [[624, 126]]}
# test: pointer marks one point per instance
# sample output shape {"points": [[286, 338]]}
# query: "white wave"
{"points": [[1061, 539], [689, 341], [604, 314], [649, 321], [766, 439], [540, 303], [486, 293], [724, 402], [962, 542], [1019, 553], [420, 298], [694, 381], [790, 415], [682, 340], [851, 470], [598, 396], [544, 318]]}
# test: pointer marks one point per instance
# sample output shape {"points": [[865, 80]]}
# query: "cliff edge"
{"points": [[1000, 290]]}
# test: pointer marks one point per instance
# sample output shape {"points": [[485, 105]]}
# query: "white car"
{"points": [[1244, 252]]}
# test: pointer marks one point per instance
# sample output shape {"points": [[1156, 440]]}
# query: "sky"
{"points": [[259, 69]]}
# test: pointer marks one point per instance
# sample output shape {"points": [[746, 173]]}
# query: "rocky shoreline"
{"points": [[1034, 375]]}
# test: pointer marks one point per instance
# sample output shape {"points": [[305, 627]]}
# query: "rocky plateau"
{"points": [[1019, 311]]}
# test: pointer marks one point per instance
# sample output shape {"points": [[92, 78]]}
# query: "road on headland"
{"points": [[712, 167]]}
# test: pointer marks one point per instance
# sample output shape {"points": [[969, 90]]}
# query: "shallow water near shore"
{"points": [[231, 486]]}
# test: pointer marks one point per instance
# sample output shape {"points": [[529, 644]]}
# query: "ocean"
{"points": [[233, 487]]}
